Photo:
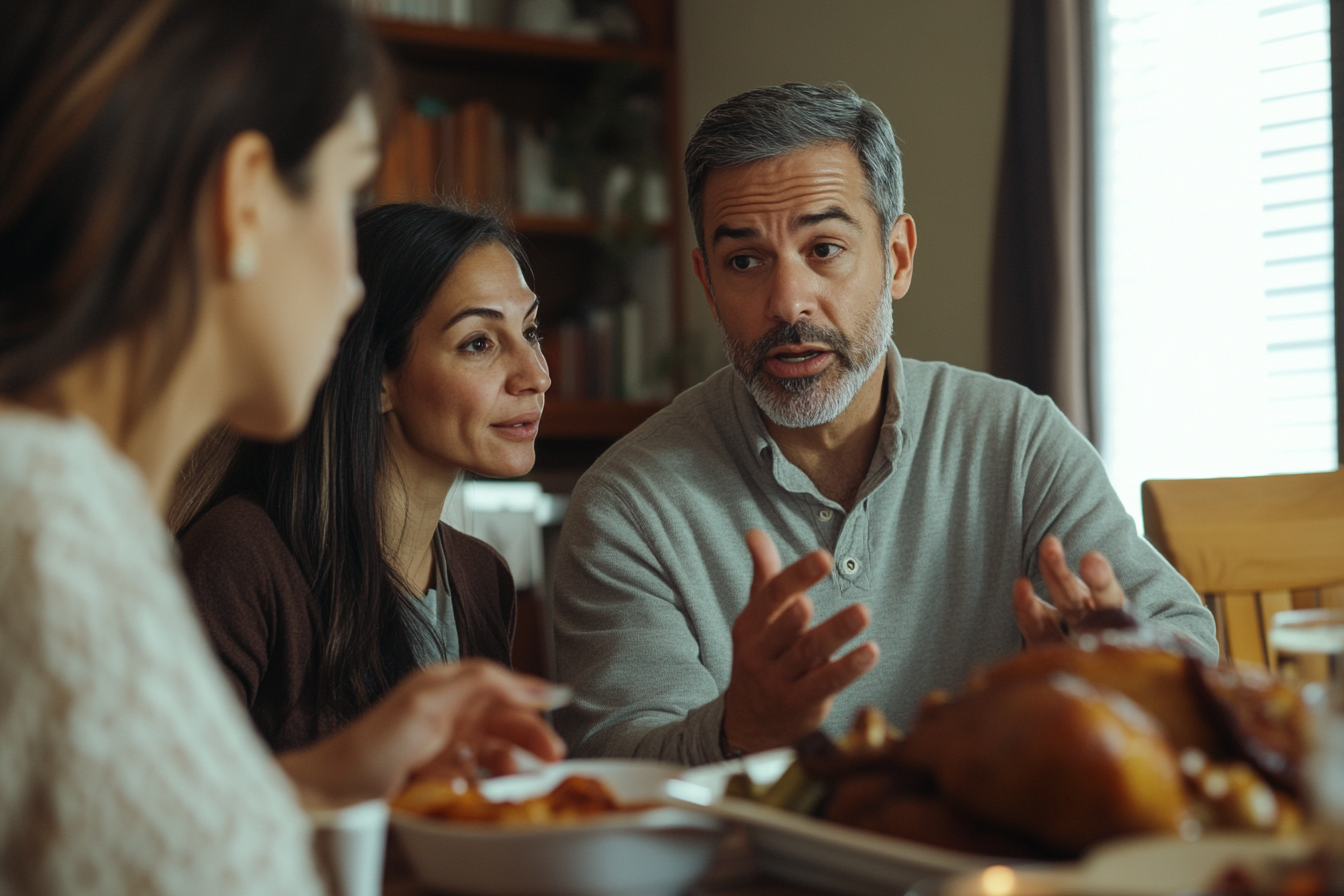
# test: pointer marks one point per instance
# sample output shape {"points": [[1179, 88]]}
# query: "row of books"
{"points": [[438, 151], [600, 355], [459, 13], [476, 154], [610, 20], [620, 352]]}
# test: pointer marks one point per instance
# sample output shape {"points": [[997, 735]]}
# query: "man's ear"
{"points": [[702, 273], [901, 243]]}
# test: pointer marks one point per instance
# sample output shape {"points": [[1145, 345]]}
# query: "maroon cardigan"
{"points": [[265, 625]]}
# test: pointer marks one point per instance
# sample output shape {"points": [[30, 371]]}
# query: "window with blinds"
{"points": [[1214, 239]]}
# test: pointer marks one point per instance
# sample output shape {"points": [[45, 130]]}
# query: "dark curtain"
{"points": [[1041, 275]]}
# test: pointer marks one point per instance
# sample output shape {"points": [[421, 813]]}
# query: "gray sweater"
{"points": [[970, 474]]}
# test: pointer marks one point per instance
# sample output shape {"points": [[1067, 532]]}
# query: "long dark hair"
{"points": [[114, 115], [322, 489]]}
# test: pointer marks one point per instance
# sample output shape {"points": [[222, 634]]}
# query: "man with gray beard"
{"points": [[924, 507]]}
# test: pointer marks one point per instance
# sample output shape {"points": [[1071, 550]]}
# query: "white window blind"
{"points": [[1215, 239]]}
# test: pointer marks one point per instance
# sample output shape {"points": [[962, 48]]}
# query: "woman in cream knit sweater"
{"points": [[177, 185]]}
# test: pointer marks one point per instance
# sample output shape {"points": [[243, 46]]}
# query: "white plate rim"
{"points": [[658, 818]]}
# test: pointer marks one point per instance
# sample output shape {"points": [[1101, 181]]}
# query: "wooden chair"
{"points": [[1252, 547]]}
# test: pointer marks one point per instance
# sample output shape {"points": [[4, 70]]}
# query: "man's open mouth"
{"points": [[797, 357], [795, 361]]}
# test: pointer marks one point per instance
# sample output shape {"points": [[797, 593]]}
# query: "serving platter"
{"points": [[839, 859], [811, 851], [1138, 866]]}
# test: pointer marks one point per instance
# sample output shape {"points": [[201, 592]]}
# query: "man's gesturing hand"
{"points": [[784, 679], [1073, 597]]}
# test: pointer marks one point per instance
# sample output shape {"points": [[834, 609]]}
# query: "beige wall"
{"points": [[938, 69]]}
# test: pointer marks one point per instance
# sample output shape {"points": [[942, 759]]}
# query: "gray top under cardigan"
{"points": [[970, 474], [435, 609]]}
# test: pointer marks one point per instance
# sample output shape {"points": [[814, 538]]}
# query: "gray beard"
{"points": [[801, 402]]}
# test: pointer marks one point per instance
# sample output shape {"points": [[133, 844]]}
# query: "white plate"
{"points": [[658, 852], [811, 851], [1139, 866]]}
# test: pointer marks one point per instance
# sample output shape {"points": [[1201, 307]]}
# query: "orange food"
{"points": [[574, 798]]}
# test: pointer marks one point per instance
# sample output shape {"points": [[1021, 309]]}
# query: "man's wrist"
{"points": [[726, 747]]}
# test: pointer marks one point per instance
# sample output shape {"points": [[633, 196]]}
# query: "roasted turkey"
{"points": [[1055, 749]]}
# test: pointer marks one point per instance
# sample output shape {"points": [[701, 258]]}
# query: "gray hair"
{"points": [[773, 121]]}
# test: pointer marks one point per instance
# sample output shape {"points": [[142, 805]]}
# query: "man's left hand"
{"points": [[1074, 596]]}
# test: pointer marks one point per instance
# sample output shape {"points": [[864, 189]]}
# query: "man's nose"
{"points": [[793, 292]]}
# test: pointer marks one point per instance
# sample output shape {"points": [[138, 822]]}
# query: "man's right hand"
{"points": [[784, 680]]}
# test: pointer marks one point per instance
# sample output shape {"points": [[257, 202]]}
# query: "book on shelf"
{"points": [[457, 13], [474, 154], [608, 354], [609, 21]]}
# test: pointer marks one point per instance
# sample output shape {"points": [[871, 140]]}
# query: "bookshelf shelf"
{"points": [[485, 41], [593, 418], [552, 225]]}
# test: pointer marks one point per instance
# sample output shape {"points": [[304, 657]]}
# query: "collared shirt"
{"points": [[969, 475]]}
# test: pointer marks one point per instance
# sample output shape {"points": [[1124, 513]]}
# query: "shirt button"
{"points": [[850, 566], [826, 516]]}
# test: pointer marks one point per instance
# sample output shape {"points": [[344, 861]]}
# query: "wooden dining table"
{"points": [[732, 873]]}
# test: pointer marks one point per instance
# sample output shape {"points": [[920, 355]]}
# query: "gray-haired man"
{"points": [[936, 489]]}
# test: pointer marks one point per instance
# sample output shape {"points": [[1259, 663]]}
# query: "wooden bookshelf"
{"points": [[554, 225], [594, 418], [538, 79], [509, 46]]}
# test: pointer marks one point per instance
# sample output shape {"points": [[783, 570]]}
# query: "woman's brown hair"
{"points": [[324, 490], [114, 115]]}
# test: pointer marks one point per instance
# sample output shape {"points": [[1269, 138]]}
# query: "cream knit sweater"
{"points": [[126, 763]]}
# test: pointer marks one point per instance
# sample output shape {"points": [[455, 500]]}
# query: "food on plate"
{"points": [[1056, 749], [1054, 759], [576, 797]]}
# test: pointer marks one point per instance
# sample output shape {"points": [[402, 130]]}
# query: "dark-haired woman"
{"points": [[320, 566], [177, 180]]}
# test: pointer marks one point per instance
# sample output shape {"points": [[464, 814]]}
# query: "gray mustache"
{"points": [[798, 333]]}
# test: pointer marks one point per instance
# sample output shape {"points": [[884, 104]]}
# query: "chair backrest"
{"points": [[1252, 546]]}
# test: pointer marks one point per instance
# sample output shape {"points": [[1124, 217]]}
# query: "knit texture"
{"points": [[126, 763]]}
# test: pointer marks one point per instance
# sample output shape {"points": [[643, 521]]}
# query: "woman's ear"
{"points": [[388, 393], [247, 172]]}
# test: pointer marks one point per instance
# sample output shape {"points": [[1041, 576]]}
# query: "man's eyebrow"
{"points": [[723, 231], [834, 213]]}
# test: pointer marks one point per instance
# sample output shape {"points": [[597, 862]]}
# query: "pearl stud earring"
{"points": [[243, 262]]}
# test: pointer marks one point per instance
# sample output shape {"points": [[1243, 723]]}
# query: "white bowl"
{"points": [[656, 852]]}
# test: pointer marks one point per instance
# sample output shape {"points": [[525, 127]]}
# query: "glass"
{"points": [[1307, 647]]}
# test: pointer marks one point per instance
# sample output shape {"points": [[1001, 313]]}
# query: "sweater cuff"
{"points": [[704, 725]]}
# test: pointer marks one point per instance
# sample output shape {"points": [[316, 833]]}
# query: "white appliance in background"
{"points": [[508, 516]]}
